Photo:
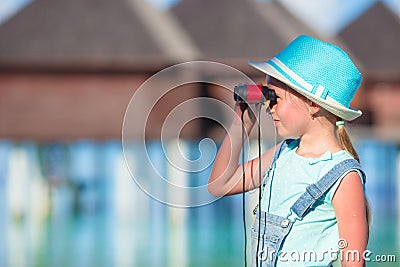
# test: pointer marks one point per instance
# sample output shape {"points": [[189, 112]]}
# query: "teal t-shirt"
{"points": [[312, 241]]}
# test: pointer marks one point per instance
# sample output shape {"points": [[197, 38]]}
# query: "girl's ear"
{"points": [[313, 109]]}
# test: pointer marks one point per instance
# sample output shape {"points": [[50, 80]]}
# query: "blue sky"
{"points": [[327, 17], [333, 15]]}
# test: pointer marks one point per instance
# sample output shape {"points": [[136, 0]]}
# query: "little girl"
{"points": [[313, 208]]}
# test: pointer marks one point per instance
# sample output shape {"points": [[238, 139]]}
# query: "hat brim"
{"points": [[329, 104]]}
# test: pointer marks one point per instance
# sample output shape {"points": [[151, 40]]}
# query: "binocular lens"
{"points": [[253, 94]]}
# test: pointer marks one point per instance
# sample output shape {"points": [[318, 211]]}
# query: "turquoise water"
{"points": [[75, 204], [98, 241]]}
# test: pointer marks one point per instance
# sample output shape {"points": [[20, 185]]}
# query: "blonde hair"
{"points": [[345, 140], [346, 143]]}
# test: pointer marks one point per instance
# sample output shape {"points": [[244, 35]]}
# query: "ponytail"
{"points": [[345, 142]]}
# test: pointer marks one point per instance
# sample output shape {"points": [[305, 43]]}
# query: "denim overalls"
{"points": [[273, 229]]}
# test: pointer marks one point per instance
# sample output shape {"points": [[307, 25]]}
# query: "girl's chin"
{"points": [[284, 134]]}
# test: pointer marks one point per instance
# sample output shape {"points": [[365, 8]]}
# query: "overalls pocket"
{"points": [[267, 242]]}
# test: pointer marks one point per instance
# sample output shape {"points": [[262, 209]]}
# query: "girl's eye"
{"points": [[273, 102]]}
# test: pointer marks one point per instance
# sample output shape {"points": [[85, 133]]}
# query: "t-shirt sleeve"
{"points": [[335, 186]]}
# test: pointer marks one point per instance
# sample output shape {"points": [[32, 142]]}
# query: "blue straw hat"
{"points": [[320, 71]]}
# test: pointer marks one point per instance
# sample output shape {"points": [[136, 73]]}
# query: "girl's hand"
{"points": [[249, 116]]}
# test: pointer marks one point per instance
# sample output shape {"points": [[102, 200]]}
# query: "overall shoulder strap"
{"points": [[315, 191], [282, 147]]}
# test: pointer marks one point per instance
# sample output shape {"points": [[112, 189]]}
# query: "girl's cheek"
{"points": [[280, 107]]}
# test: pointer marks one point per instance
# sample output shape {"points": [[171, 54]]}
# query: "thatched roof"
{"points": [[374, 38], [238, 29], [83, 34]]}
